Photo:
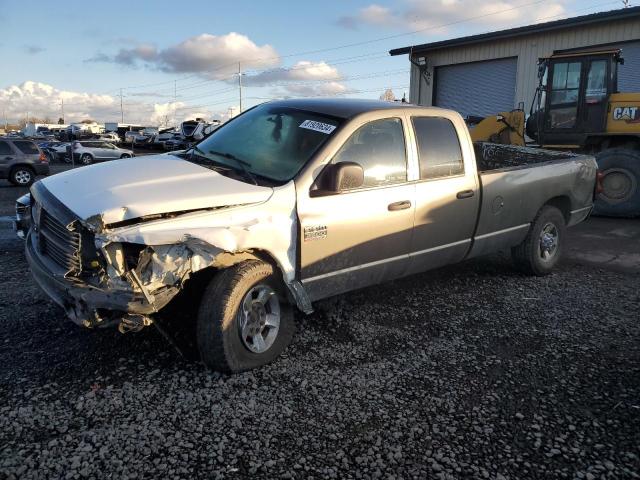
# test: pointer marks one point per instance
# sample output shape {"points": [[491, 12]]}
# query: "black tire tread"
{"points": [[605, 159], [219, 302], [16, 168], [523, 255]]}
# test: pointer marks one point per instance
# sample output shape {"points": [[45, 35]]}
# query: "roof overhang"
{"points": [[612, 15]]}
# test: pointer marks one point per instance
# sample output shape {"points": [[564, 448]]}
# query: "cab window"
{"points": [[379, 148], [439, 150]]}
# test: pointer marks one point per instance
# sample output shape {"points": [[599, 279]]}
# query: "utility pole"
{"points": [[175, 99], [62, 106], [4, 114], [121, 110], [240, 85]]}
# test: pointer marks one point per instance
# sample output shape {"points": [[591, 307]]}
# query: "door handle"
{"points": [[465, 194], [402, 205]]}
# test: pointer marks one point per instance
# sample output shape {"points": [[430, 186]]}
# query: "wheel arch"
{"points": [[562, 203], [294, 291], [15, 166]]}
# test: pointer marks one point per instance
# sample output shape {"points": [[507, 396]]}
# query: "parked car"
{"points": [[89, 151], [57, 151], [177, 142], [289, 203], [21, 161], [162, 136], [110, 137]]}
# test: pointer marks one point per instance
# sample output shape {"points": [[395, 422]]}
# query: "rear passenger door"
{"points": [[7, 157], [362, 236], [447, 197]]}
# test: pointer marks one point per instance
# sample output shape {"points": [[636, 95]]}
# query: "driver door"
{"points": [[362, 236]]}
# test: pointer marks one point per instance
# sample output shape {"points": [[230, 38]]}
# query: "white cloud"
{"points": [[305, 78], [42, 100], [309, 90], [437, 15], [301, 71], [214, 56]]}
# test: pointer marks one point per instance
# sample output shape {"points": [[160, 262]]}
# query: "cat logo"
{"points": [[629, 114]]}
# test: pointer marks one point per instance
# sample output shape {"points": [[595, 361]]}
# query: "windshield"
{"points": [[268, 141]]}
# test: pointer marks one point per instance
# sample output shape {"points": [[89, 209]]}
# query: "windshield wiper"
{"points": [[242, 163], [201, 159]]}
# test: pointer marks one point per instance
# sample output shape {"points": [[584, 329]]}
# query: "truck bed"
{"points": [[493, 156], [515, 182]]}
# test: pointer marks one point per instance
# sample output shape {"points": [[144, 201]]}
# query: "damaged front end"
{"points": [[124, 272]]}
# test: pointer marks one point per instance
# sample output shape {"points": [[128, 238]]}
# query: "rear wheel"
{"points": [[86, 159], [22, 176], [244, 321], [543, 245], [621, 183]]}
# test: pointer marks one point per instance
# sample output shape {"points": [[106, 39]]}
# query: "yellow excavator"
{"points": [[577, 107]]}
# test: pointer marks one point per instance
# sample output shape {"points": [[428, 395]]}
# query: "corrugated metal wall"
{"points": [[629, 73], [527, 49]]}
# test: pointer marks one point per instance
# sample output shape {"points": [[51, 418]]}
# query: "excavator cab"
{"points": [[570, 106]]}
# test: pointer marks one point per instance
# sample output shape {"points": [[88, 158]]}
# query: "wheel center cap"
{"points": [[258, 314], [548, 242]]}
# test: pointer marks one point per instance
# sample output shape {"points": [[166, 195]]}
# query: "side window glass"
{"points": [[596, 81], [439, 149], [564, 95], [379, 148], [28, 148], [5, 149]]}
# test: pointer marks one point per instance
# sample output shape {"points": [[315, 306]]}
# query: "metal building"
{"points": [[493, 72]]}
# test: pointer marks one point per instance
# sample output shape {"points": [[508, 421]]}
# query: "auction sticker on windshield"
{"points": [[318, 126]]}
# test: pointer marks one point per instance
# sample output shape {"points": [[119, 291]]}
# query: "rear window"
{"points": [[5, 148], [438, 147], [28, 148]]}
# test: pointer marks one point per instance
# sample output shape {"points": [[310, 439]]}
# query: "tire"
{"points": [[125, 155], [221, 344], [86, 159], [621, 182], [22, 176], [541, 249]]}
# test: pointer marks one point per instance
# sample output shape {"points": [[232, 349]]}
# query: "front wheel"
{"points": [[86, 159], [22, 176], [125, 155], [244, 321], [541, 249]]}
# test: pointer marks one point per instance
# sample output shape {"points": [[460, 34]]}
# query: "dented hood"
{"points": [[131, 188]]}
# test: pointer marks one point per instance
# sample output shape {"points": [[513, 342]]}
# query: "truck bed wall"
{"points": [[519, 183]]}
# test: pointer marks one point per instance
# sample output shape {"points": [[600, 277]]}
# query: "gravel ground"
{"points": [[472, 371]]}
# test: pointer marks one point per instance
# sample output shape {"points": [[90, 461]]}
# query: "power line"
{"points": [[348, 45]]}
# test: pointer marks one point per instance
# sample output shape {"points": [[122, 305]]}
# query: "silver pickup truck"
{"points": [[289, 203]]}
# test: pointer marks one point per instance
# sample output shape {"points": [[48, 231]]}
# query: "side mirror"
{"points": [[339, 177]]}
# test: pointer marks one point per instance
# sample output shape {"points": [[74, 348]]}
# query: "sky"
{"points": [[173, 61]]}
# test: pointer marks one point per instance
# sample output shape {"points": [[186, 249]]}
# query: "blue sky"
{"points": [[84, 52]]}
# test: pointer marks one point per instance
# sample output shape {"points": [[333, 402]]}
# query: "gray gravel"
{"points": [[472, 371]]}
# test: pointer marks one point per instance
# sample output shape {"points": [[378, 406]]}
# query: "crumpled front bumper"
{"points": [[85, 304]]}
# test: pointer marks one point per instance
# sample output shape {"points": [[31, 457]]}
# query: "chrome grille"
{"points": [[58, 243]]}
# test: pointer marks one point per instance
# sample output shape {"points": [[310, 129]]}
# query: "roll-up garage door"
{"points": [[479, 88], [629, 73]]}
